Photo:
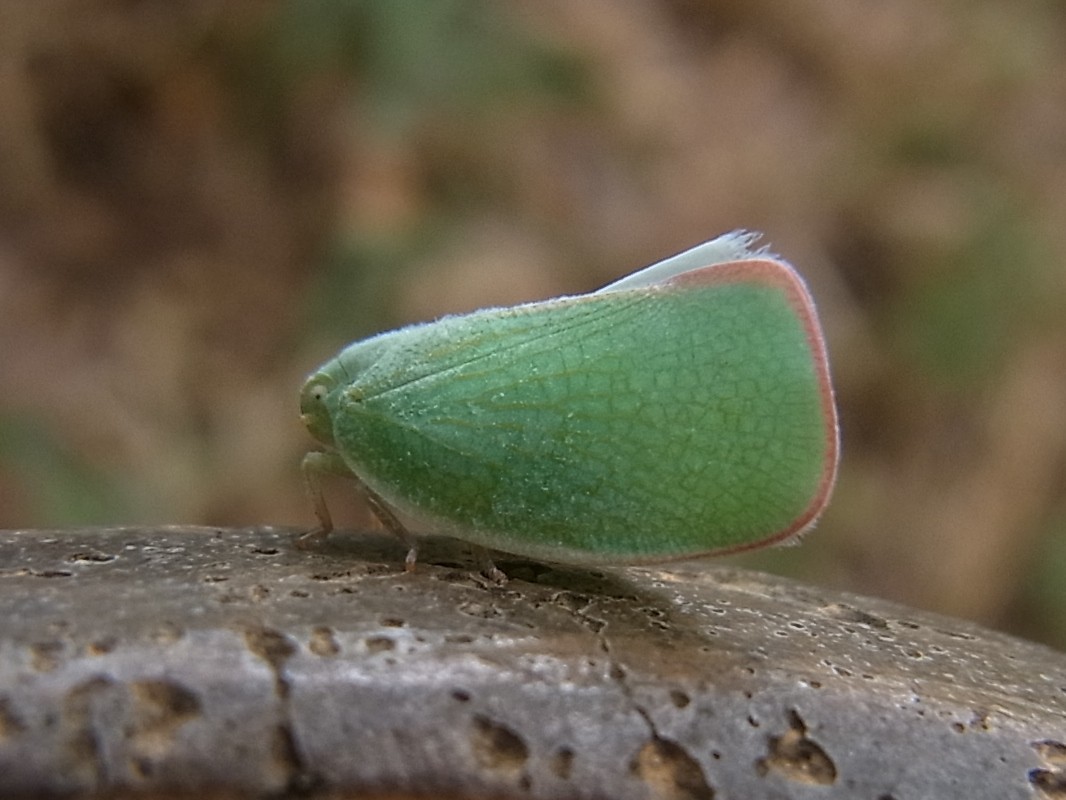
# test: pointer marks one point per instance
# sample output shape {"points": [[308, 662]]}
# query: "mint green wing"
{"points": [[675, 419]]}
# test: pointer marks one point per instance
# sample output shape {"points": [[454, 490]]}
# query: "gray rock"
{"points": [[193, 660]]}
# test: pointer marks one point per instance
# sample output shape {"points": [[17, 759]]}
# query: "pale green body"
{"points": [[688, 416]]}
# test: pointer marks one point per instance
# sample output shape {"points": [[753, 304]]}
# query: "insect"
{"points": [[684, 410]]}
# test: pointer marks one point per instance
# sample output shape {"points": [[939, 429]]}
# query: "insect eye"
{"points": [[318, 392]]}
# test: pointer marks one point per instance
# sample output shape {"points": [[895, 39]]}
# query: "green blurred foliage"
{"points": [[59, 486], [985, 299], [448, 67], [414, 59], [202, 201]]}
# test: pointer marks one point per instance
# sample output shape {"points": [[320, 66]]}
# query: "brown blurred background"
{"points": [[200, 201]]}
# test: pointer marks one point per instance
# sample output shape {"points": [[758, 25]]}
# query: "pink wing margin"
{"points": [[780, 275]]}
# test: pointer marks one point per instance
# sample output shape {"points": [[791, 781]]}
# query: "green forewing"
{"points": [[633, 425]]}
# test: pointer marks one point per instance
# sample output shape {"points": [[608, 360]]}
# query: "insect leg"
{"points": [[392, 525], [318, 463], [488, 567], [314, 465]]}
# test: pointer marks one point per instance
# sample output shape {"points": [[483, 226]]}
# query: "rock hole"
{"points": [[1049, 782], [91, 558], [51, 573], [160, 707], [299, 593], [497, 747], [379, 644], [323, 642], [270, 645], [798, 758], [10, 723], [83, 745], [847, 613], [101, 647], [45, 655], [461, 695], [275, 649], [594, 625], [670, 772], [562, 763], [574, 601], [265, 551], [679, 698], [479, 610], [459, 638], [392, 622]]}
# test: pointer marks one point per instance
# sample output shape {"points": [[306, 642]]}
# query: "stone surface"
{"points": [[207, 662]]}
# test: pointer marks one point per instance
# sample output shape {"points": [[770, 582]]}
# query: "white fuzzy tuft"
{"points": [[732, 246]]}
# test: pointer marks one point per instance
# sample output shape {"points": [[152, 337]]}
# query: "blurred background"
{"points": [[201, 201]]}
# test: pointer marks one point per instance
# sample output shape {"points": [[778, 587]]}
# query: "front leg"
{"points": [[316, 464]]}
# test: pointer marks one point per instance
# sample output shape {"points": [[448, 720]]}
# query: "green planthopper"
{"points": [[684, 410]]}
